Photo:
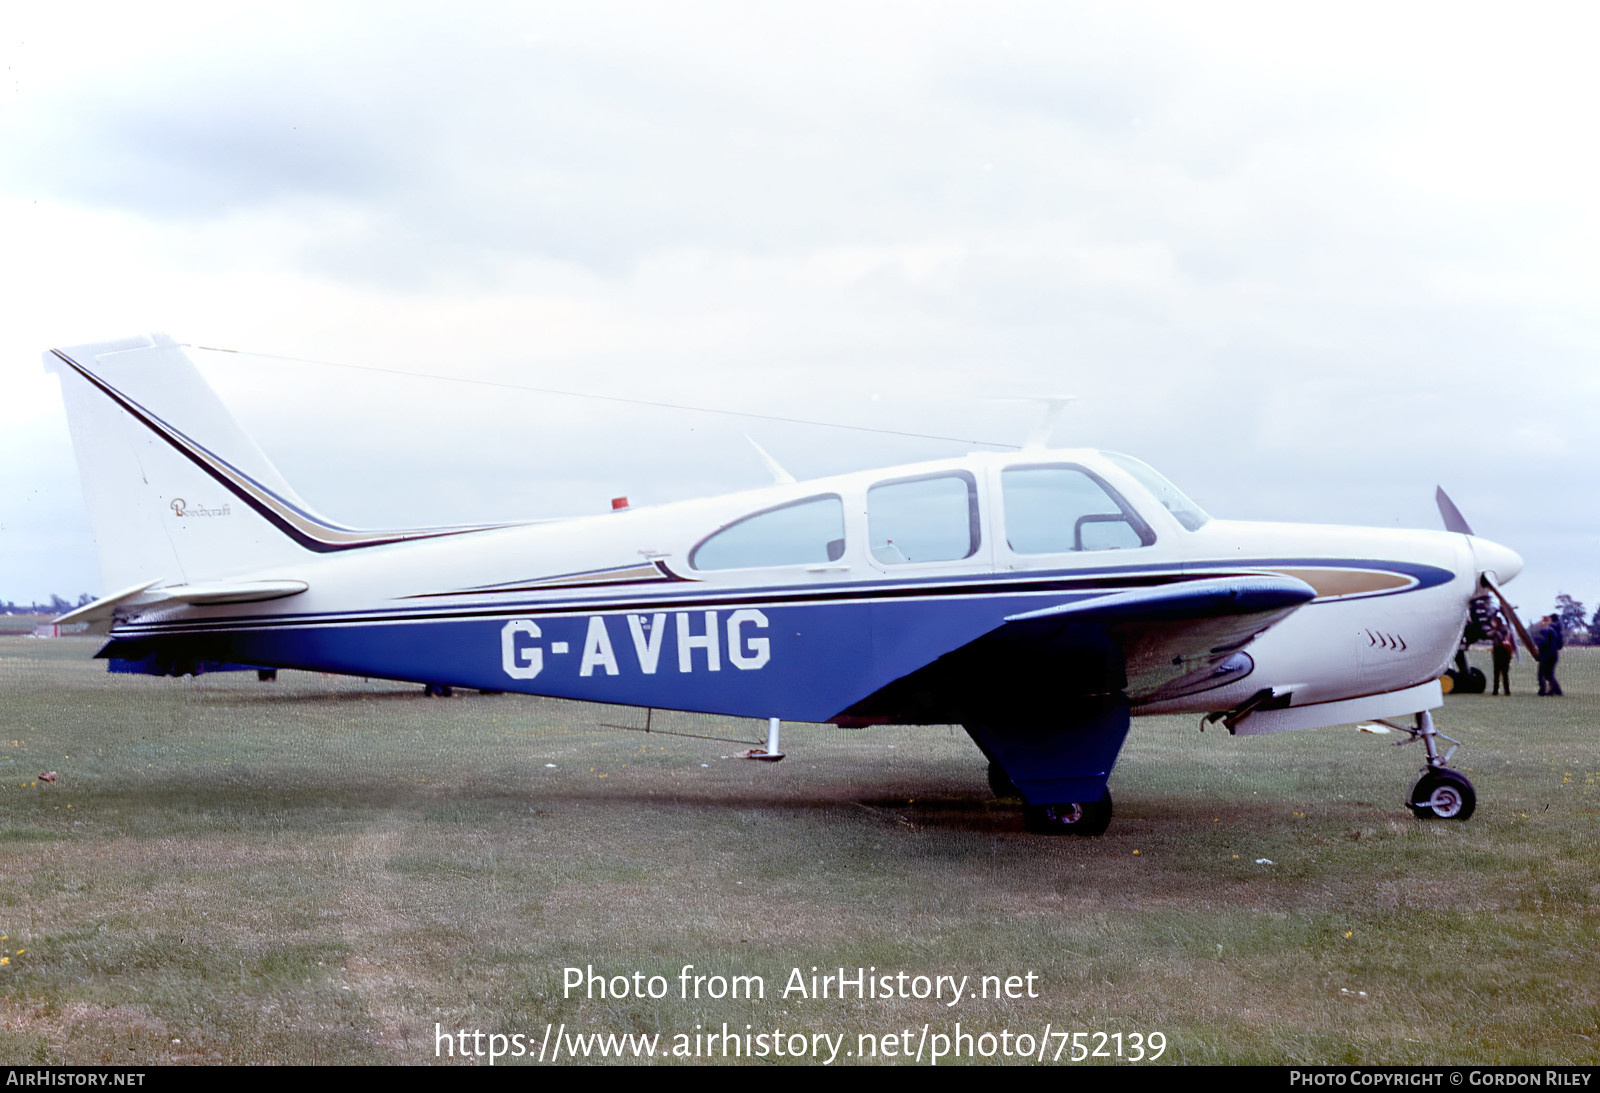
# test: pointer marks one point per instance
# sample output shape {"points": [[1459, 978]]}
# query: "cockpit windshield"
{"points": [[1185, 511]]}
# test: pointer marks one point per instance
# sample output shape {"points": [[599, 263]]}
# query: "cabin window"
{"points": [[933, 518], [1054, 510], [802, 533]]}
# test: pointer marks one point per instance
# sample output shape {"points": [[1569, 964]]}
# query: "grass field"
{"points": [[323, 869]]}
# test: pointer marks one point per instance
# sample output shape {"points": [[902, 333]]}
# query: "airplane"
{"points": [[1039, 598]]}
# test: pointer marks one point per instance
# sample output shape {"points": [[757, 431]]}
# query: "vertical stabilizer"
{"points": [[143, 422], [177, 493]]}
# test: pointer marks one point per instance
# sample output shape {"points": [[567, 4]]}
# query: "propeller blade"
{"points": [[1510, 613], [1453, 520]]}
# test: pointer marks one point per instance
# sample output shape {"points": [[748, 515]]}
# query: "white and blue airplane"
{"points": [[1039, 598]]}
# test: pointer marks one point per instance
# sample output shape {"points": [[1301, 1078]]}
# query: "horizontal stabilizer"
{"points": [[102, 608], [232, 591], [146, 594]]}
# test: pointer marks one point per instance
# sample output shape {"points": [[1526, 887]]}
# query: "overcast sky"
{"points": [[1310, 262]]}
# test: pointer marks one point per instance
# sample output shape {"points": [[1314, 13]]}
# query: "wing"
{"points": [[1147, 643], [1173, 639]]}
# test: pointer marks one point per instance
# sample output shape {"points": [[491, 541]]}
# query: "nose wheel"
{"points": [[1442, 794]]}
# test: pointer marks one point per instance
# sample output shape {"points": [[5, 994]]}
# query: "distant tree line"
{"points": [[1577, 631], [56, 606]]}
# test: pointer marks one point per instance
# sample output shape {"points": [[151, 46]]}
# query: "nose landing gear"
{"points": [[1441, 793]]}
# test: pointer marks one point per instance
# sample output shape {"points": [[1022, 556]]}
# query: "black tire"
{"points": [[1442, 795], [1070, 818], [1474, 682], [1000, 782]]}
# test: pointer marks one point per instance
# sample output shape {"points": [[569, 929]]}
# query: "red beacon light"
{"points": [[618, 504]]}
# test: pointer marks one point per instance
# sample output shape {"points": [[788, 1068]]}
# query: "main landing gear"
{"points": [[1075, 818], [1441, 793], [1072, 818]]}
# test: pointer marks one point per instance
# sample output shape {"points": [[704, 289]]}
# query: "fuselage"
{"points": [[800, 600]]}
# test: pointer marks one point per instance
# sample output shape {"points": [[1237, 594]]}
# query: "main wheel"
{"points": [[1442, 795], [1071, 818], [1474, 682], [1000, 782]]}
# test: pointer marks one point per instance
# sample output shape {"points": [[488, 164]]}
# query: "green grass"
{"points": [[321, 869]]}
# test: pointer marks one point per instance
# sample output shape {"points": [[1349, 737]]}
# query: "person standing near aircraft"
{"points": [[1549, 643], [1503, 648]]}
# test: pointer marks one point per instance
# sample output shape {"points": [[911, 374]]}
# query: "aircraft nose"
{"points": [[1499, 562]]}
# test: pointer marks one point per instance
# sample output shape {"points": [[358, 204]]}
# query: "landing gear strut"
{"points": [[1057, 756], [1441, 793]]}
